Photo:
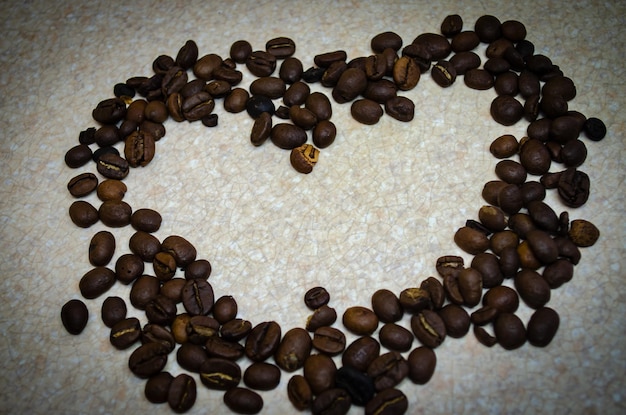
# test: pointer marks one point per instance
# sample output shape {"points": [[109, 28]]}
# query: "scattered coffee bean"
{"points": [[542, 327], [74, 316]]}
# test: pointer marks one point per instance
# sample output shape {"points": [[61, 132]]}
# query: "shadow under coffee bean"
{"points": [[518, 236]]}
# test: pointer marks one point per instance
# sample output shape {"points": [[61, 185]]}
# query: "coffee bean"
{"points": [[558, 273], [261, 63], [113, 310], [414, 300], [155, 111], [299, 392], [429, 328], [360, 320], [510, 199], [509, 331], [297, 93], [83, 214], [225, 309], [406, 73], [288, 136], [219, 347], [144, 245], [235, 101], [148, 360], [400, 108], [350, 85], [243, 401], [533, 289], [322, 316], [101, 248], [197, 297], [109, 111], [329, 340], [269, 86], [304, 158], [542, 327], [534, 156], [146, 220], [451, 25], [236, 329], [112, 166], [583, 233], [74, 316], [281, 47], [388, 370], [455, 319], [128, 267], [387, 402], [262, 376], [82, 185], [316, 297], [438, 46], [263, 341], [506, 110], [173, 289], [78, 156], [261, 129], [319, 371], [144, 289], [200, 328], [220, 374], [366, 111], [161, 310], [115, 213], [157, 387], [395, 337], [96, 282], [180, 248], [125, 333], [449, 265], [358, 385], [155, 333], [443, 73], [291, 70], [471, 240], [181, 395], [386, 306], [191, 356], [594, 129]]}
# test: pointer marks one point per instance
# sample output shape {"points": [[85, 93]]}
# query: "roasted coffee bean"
{"points": [[146, 220], [319, 104], [502, 240], [74, 316], [293, 349], [360, 320], [87, 136], [375, 67], [156, 111], [144, 289], [324, 60], [490, 191], [319, 371], [291, 70], [422, 362], [157, 387], [287, 136], [435, 291], [101, 248], [406, 73], [236, 329], [198, 106], [269, 86], [302, 117], [395, 337], [262, 376], [109, 111], [299, 392], [451, 288], [280, 47], [104, 150], [333, 73], [112, 166], [564, 128], [506, 83], [144, 245], [115, 213], [386, 306], [358, 385], [543, 246], [197, 297], [521, 224], [456, 320], [225, 309], [316, 297], [534, 156], [78, 156], [506, 110], [187, 55], [484, 315], [228, 74], [366, 111], [173, 289], [573, 153], [191, 356], [443, 73], [583, 233], [235, 101], [205, 66], [532, 191], [125, 333], [217, 89], [324, 134], [219, 347], [420, 53], [558, 273], [173, 80], [304, 158], [449, 265], [509, 331], [180, 248], [527, 258], [531, 107], [467, 64], [240, 50], [471, 240], [400, 108], [573, 187], [594, 129], [136, 111], [451, 25], [113, 310], [263, 341], [488, 266], [157, 130], [329, 340], [191, 88], [388, 370], [380, 91], [296, 94], [128, 267], [386, 40], [492, 217], [313, 74], [82, 185], [243, 401], [542, 327], [181, 394], [414, 300], [261, 129], [96, 282], [532, 288], [361, 353], [484, 337], [349, 85], [154, 333], [438, 46], [220, 374], [161, 310], [429, 328], [387, 402], [510, 199], [464, 41], [261, 63], [511, 171], [488, 28]]}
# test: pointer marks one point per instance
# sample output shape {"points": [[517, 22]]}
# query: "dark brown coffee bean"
{"points": [[302, 117], [191, 356], [574, 153], [435, 291], [375, 67], [268, 86], [293, 349], [198, 297], [324, 60], [488, 266], [422, 362], [366, 111], [240, 50], [361, 353], [115, 213], [299, 392], [406, 73], [504, 146], [155, 333], [173, 289], [563, 129], [388, 370], [350, 84], [360, 320], [316, 297], [112, 166], [261, 129], [173, 80], [506, 83], [329, 340], [534, 156], [492, 217], [449, 265], [395, 337], [451, 25], [217, 89], [484, 337], [113, 310], [490, 191], [101, 248], [506, 110], [324, 134], [456, 320], [263, 341], [543, 246], [358, 385], [198, 106], [414, 300], [157, 387], [558, 273], [573, 187], [148, 360], [583, 233], [125, 333], [243, 401], [291, 70], [82, 185], [74, 316], [236, 329], [400, 108], [511, 171], [594, 129], [471, 240], [542, 327], [146, 220], [438, 46], [429, 328], [281, 47], [235, 101], [304, 158], [509, 331], [144, 245], [502, 240], [180, 248], [144, 290], [488, 28], [220, 374], [386, 306], [109, 111], [128, 267], [319, 371], [78, 156], [96, 282], [532, 288], [261, 63], [443, 73], [288, 136], [161, 310], [386, 40], [225, 309], [510, 199], [387, 402], [219, 347], [262, 376], [527, 258], [181, 394]]}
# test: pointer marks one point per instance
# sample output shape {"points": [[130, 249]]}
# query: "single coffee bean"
{"points": [[443, 73], [291, 70], [288, 136], [510, 199], [262, 376], [511, 171], [128, 267], [422, 361], [360, 320], [488, 266], [400, 108], [269, 86], [225, 309], [558, 273], [115, 213], [388, 370], [197, 297], [180, 248], [366, 111], [573, 187], [484, 315], [146, 220], [406, 73], [161, 310], [144, 245], [236, 329], [319, 104], [451, 25], [281, 47], [110, 189], [449, 265], [191, 356], [181, 394], [74, 316], [112, 166], [173, 80], [83, 214], [296, 94], [96, 282], [220, 374], [217, 89], [154, 333], [157, 387], [261, 129], [375, 67], [78, 156], [386, 306], [243, 401], [101, 248], [144, 290], [438, 46], [429, 328], [414, 300], [361, 353], [125, 333], [456, 320], [386, 40], [235, 101], [387, 402], [219, 347], [173, 289], [302, 117], [304, 158], [484, 337], [319, 370], [583, 233], [113, 310], [435, 291], [543, 246], [534, 156], [532, 288], [329, 340], [350, 84], [471, 240], [187, 55], [82, 185], [293, 349], [263, 341], [509, 331], [395, 337], [299, 392], [109, 111], [261, 63], [506, 110], [594, 129], [240, 50], [316, 297], [542, 327], [358, 385], [324, 60], [322, 316]]}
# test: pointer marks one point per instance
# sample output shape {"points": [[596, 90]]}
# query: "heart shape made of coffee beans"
{"points": [[517, 236]]}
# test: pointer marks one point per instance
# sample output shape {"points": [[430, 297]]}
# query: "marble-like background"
{"points": [[380, 207]]}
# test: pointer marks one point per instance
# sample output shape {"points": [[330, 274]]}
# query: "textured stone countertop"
{"points": [[380, 207]]}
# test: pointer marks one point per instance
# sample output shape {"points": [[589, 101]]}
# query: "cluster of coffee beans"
{"points": [[517, 235]]}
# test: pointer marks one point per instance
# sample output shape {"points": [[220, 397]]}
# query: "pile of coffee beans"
{"points": [[517, 236]]}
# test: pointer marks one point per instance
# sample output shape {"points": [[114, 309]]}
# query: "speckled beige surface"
{"points": [[380, 207]]}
